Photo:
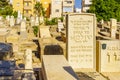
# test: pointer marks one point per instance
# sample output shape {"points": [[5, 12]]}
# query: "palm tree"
{"points": [[39, 10]]}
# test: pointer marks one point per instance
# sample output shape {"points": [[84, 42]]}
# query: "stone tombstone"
{"points": [[41, 19], [37, 21], [23, 32], [19, 14], [12, 21], [25, 18], [18, 21], [108, 55], [32, 21], [23, 26], [60, 26], [51, 67], [8, 18], [102, 21], [21, 17], [81, 40], [113, 23], [18, 18], [1, 18], [28, 59], [44, 32]]}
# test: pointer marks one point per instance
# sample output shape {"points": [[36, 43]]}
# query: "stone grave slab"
{"points": [[56, 67], [28, 59], [44, 32], [108, 56]]}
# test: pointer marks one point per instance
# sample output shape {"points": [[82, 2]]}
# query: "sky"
{"points": [[78, 3]]}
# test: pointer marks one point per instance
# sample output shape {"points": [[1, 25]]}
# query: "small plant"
{"points": [[27, 19], [61, 19], [35, 30], [15, 14], [53, 21]]}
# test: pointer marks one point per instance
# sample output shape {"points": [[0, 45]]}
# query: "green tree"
{"points": [[53, 21], [5, 8], [105, 9], [39, 10], [3, 3], [118, 1], [15, 14]]}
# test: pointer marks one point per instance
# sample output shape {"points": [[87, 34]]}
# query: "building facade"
{"points": [[56, 8], [53, 8], [18, 5], [61, 7], [86, 5], [46, 5], [68, 6], [25, 7]]}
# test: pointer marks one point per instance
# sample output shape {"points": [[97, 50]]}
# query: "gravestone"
{"points": [[23, 32], [44, 32], [60, 26], [28, 59], [19, 14], [12, 21], [108, 55], [18, 21], [19, 17], [113, 28], [8, 18], [25, 18], [56, 67], [41, 19], [37, 21], [81, 40], [32, 21], [1, 18]]}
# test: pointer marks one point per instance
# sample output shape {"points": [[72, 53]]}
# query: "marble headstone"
{"points": [[23, 31], [37, 21], [113, 23], [60, 26], [108, 55], [32, 21], [81, 40], [12, 21], [28, 59]]}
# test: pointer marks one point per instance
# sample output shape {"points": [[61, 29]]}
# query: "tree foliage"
{"points": [[35, 30], [53, 21], [105, 9], [5, 8], [39, 10], [15, 14], [3, 3]]}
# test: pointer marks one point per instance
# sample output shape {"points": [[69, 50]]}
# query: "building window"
{"points": [[69, 2], [57, 2], [27, 4], [26, 11], [57, 10], [67, 9]]}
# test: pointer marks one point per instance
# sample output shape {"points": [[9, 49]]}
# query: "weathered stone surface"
{"points": [[81, 40], [54, 71], [108, 56]]}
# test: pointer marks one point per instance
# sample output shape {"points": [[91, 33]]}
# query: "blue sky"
{"points": [[77, 3]]}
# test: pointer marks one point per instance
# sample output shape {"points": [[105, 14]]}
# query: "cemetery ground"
{"points": [[31, 40]]}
